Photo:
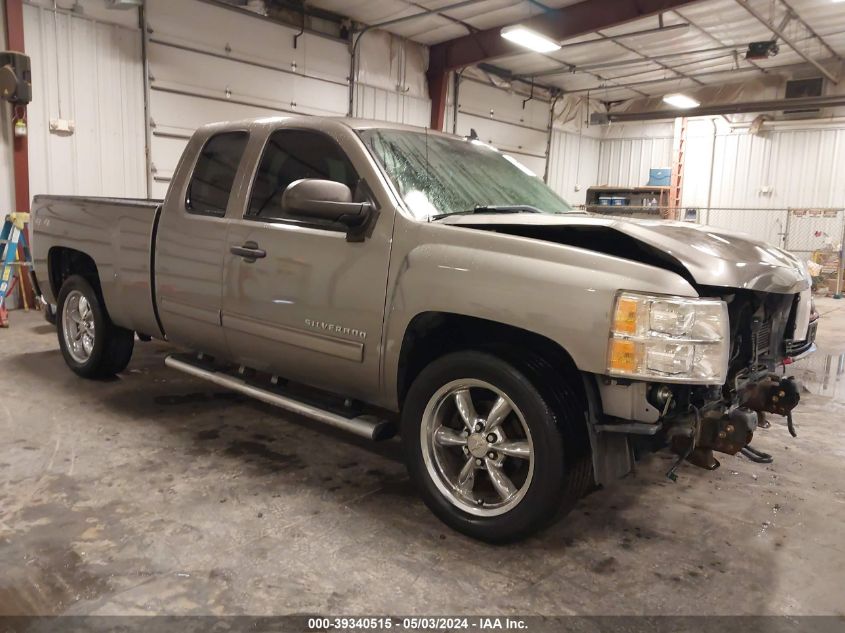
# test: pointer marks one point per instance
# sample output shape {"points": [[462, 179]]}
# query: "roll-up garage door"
{"points": [[209, 63]]}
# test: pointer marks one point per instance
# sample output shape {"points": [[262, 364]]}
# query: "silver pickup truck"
{"points": [[385, 278]]}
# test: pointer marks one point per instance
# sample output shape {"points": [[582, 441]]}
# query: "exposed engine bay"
{"points": [[700, 420]]}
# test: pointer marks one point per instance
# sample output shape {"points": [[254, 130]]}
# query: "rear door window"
{"points": [[214, 174]]}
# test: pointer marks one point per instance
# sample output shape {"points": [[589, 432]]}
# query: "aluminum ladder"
{"points": [[12, 235]]}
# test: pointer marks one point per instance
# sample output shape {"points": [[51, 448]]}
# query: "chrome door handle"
{"points": [[249, 251]]}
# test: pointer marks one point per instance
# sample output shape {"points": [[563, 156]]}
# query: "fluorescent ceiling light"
{"points": [[529, 39], [682, 101]]}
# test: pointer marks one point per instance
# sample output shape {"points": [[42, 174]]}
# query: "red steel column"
{"points": [[438, 80], [20, 158]]}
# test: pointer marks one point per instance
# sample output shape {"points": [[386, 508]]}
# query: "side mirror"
{"points": [[324, 200]]}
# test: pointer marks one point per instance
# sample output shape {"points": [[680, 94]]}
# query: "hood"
{"points": [[706, 255]]}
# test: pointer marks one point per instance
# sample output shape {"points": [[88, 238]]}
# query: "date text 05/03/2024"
{"points": [[424, 623]]}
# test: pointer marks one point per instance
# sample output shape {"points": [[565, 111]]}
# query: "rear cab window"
{"points": [[214, 174]]}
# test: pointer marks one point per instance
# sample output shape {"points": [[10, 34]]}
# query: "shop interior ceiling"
{"points": [[700, 44]]}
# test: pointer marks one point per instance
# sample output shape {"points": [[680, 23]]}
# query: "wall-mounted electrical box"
{"points": [[15, 77], [62, 127]]}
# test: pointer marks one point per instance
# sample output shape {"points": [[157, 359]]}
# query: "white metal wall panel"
{"points": [[220, 31], [573, 165], [500, 120], [808, 168], [168, 141], [625, 162], [95, 70], [214, 77], [740, 171], [778, 169], [388, 105], [698, 163], [208, 63]]}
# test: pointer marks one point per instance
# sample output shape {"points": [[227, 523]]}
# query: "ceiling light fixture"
{"points": [[529, 39], [681, 101]]}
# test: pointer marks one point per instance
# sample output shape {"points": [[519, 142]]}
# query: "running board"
{"points": [[367, 426]]}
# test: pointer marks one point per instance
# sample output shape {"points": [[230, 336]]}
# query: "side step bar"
{"points": [[366, 426]]}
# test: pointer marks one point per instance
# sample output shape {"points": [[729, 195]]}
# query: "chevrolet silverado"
{"points": [[382, 278]]}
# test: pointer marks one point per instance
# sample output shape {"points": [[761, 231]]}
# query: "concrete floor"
{"points": [[156, 492]]}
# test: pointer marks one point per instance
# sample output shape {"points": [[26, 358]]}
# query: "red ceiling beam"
{"points": [[558, 24]]}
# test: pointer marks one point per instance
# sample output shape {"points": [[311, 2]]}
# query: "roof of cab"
{"points": [[314, 121]]}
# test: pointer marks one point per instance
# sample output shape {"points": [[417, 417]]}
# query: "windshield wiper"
{"points": [[503, 208]]}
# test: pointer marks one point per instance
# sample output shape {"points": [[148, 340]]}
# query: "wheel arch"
{"points": [[63, 262], [430, 335]]}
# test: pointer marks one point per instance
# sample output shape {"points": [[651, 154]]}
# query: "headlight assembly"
{"points": [[673, 339]]}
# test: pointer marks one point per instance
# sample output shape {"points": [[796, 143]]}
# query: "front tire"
{"points": [[494, 454], [92, 346]]}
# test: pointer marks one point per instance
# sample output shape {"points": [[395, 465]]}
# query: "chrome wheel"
{"points": [[477, 447], [78, 326]]}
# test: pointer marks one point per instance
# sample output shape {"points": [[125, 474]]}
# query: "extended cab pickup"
{"points": [[379, 277]]}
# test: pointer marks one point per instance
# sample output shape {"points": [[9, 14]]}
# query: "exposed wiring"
{"points": [[757, 456], [56, 44]]}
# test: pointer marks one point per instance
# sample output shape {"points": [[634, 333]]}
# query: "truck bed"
{"points": [[117, 234]]}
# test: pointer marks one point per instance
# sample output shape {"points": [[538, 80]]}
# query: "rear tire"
{"points": [[503, 485], [92, 346]]}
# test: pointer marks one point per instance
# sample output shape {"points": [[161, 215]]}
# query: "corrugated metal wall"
{"points": [[235, 65], [207, 63], [625, 162], [573, 164], [387, 105], [88, 71], [776, 169], [789, 168], [755, 178]]}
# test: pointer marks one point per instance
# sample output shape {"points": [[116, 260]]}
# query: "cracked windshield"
{"points": [[439, 176]]}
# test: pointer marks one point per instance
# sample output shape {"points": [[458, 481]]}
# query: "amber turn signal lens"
{"points": [[625, 318], [623, 356]]}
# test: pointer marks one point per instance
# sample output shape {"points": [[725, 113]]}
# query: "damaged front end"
{"points": [[697, 373], [766, 331]]}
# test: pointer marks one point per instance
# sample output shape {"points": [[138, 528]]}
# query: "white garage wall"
{"points": [[629, 151], [573, 164], [233, 65], [209, 63], [499, 119], [86, 69], [498, 116], [390, 83], [206, 63], [7, 182], [778, 169]]}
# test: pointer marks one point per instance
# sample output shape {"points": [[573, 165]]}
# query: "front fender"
{"points": [[561, 292]]}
